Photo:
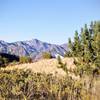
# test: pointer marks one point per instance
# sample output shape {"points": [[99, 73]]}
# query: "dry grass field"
{"points": [[45, 66], [50, 66]]}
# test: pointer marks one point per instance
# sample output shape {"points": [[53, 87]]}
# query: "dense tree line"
{"points": [[85, 50], [86, 47], [5, 59]]}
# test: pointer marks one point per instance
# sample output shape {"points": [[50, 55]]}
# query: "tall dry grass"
{"points": [[45, 66]]}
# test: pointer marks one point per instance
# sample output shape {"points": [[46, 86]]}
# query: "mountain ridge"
{"points": [[33, 48]]}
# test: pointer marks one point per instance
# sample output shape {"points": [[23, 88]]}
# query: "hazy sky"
{"points": [[51, 21]]}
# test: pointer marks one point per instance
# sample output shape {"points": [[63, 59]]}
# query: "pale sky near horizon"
{"points": [[51, 21]]}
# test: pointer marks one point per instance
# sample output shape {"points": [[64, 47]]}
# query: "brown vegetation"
{"points": [[45, 65]]}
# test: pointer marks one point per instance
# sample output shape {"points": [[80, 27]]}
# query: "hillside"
{"points": [[45, 65]]}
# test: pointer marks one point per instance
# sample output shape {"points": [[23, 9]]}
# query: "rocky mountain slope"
{"points": [[33, 48]]}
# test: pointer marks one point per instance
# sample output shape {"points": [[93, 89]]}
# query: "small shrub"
{"points": [[46, 55], [25, 59], [62, 65]]}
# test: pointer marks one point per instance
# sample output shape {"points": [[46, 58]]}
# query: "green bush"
{"points": [[62, 65], [46, 55], [3, 61], [25, 59]]}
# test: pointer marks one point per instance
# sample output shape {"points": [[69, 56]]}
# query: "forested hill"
{"points": [[7, 58]]}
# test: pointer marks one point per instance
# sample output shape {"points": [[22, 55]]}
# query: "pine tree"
{"points": [[96, 46], [86, 47], [77, 45]]}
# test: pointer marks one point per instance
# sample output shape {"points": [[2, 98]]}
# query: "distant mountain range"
{"points": [[33, 48]]}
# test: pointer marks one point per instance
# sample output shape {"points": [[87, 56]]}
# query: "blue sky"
{"points": [[51, 21]]}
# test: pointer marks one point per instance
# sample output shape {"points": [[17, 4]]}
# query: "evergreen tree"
{"points": [[77, 47], [86, 47]]}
